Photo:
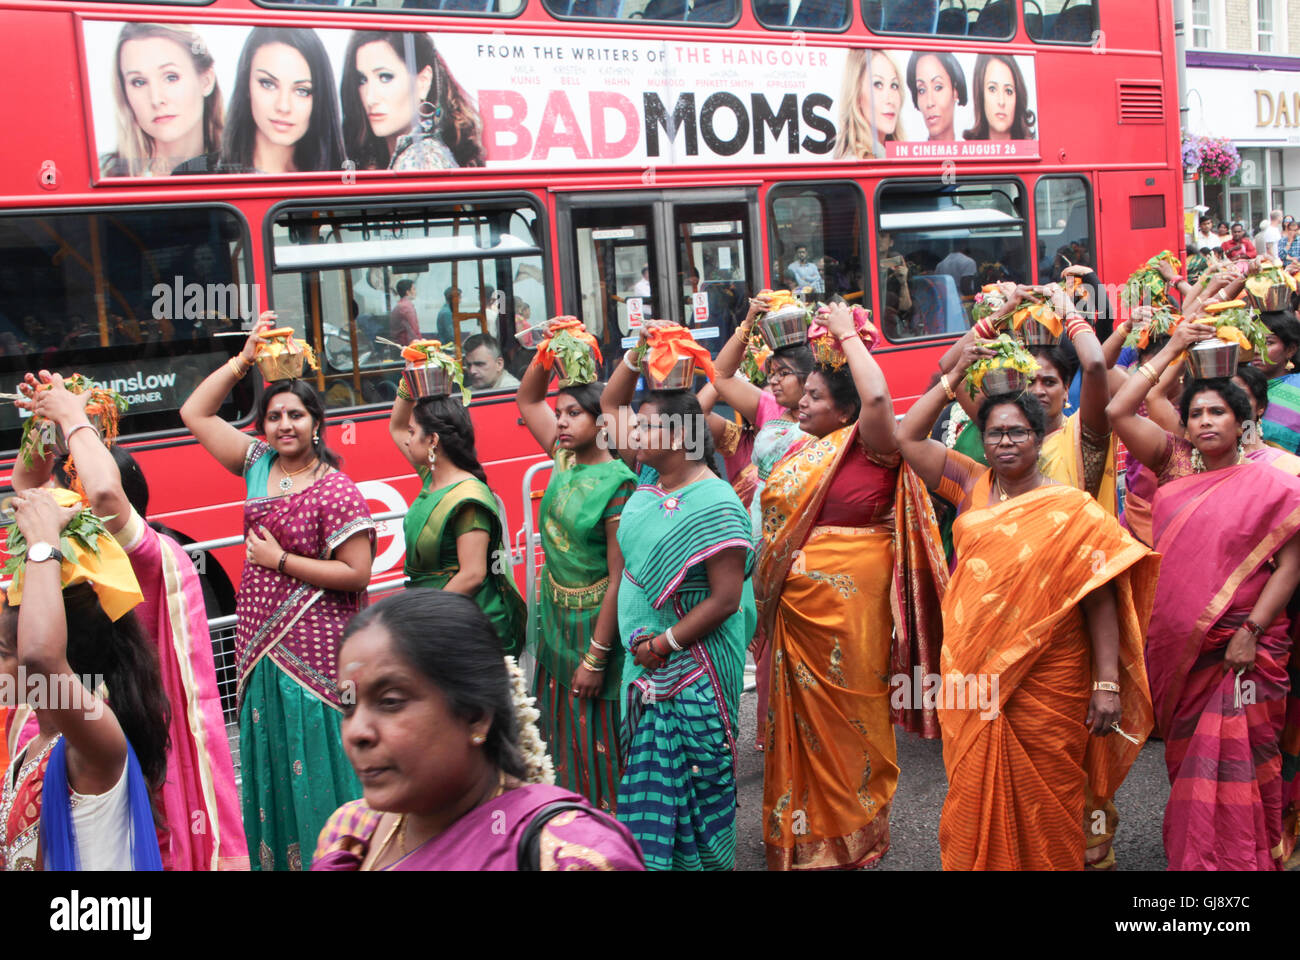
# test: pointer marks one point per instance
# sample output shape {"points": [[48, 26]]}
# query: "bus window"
{"points": [[469, 275], [458, 8], [815, 240], [713, 266], [133, 298], [802, 14], [1061, 21], [1063, 213], [937, 244], [986, 19], [700, 12]]}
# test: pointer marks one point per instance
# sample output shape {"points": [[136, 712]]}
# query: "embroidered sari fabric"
{"points": [[59, 829], [294, 624], [830, 763], [435, 520], [294, 769], [1221, 731], [679, 723], [581, 733], [1016, 676], [488, 837], [200, 785]]}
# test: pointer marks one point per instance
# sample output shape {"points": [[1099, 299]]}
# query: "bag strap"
{"points": [[529, 856]]}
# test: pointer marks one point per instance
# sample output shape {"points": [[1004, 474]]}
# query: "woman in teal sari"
{"points": [[309, 546], [578, 651], [686, 614], [455, 534]]}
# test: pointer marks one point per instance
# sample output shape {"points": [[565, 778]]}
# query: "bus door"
{"points": [[683, 255], [1140, 216]]}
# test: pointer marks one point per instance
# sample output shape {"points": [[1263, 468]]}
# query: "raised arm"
{"points": [[741, 395], [876, 421], [616, 400], [926, 456], [96, 467], [399, 422], [1094, 387], [202, 411], [537, 414], [96, 743], [1144, 439]]}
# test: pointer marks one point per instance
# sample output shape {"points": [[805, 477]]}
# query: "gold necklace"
{"points": [[400, 822], [286, 482]]}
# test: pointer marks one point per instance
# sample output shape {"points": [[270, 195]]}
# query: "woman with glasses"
{"points": [[774, 412], [1042, 653]]}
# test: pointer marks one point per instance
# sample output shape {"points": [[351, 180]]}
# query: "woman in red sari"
{"points": [[1219, 641]]}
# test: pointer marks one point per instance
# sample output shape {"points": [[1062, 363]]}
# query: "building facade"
{"points": [[1243, 83]]}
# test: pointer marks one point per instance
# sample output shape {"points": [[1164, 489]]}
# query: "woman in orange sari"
{"points": [[1043, 624], [824, 576]]}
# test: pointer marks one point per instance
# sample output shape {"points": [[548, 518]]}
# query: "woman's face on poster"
{"points": [[164, 89], [280, 88], [935, 97], [386, 90], [881, 97], [999, 100]]}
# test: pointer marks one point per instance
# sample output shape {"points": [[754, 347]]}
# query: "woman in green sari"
{"points": [[686, 614], [455, 534], [579, 655]]}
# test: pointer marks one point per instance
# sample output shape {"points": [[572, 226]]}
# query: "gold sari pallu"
{"points": [[830, 763], [1017, 778]]}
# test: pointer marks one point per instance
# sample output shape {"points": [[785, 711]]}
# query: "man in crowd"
{"points": [[1205, 235], [1239, 247], [484, 365]]}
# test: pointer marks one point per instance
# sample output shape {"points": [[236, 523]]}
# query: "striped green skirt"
{"points": [[678, 793], [295, 773], [581, 734]]}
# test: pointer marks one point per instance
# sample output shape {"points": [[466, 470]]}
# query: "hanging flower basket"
{"points": [[1210, 158]]}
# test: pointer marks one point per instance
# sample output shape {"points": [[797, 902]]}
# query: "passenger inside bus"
{"points": [[485, 369]]}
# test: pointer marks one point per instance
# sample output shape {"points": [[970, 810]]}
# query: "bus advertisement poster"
{"points": [[167, 99]]}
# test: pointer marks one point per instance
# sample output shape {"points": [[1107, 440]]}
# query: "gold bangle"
{"points": [[947, 387], [236, 369], [1149, 372], [403, 391]]}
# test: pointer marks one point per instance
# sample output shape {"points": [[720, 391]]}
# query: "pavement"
{"points": [[914, 817]]}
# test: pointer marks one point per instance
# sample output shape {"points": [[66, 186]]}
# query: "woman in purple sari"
{"points": [[1219, 640], [441, 732], [310, 542]]}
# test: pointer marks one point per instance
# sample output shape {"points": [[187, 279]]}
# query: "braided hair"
{"points": [[449, 421]]}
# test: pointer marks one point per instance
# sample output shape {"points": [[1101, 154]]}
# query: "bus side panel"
{"points": [[1138, 217]]}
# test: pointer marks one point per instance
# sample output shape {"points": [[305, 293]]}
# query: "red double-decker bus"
{"points": [[494, 162]]}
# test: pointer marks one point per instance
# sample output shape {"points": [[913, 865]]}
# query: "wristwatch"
{"points": [[41, 551]]}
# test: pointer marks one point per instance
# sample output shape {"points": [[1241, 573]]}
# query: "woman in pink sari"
{"points": [[200, 787], [439, 729], [1219, 640]]}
